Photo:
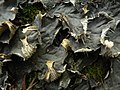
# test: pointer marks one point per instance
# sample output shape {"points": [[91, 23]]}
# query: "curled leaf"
{"points": [[7, 31], [27, 48], [25, 42], [103, 35], [65, 43], [51, 74], [85, 9]]}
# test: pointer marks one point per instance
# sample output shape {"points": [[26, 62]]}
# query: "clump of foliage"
{"points": [[60, 45]]}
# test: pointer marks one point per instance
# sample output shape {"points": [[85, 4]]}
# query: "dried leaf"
{"points": [[27, 48], [30, 28], [51, 74], [7, 31], [65, 43], [85, 9]]}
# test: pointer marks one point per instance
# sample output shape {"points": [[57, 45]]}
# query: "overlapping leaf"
{"points": [[59, 45]]}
